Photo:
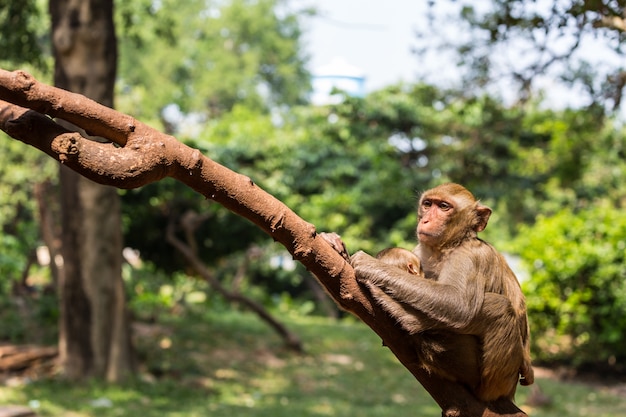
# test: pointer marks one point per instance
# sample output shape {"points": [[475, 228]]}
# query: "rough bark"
{"points": [[144, 155], [75, 350], [94, 333]]}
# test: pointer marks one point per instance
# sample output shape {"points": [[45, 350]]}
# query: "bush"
{"points": [[576, 294]]}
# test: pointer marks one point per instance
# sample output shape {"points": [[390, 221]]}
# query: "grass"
{"points": [[232, 365]]}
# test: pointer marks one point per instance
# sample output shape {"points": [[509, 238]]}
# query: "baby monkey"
{"points": [[401, 258], [407, 261]]}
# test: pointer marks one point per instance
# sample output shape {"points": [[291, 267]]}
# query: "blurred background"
{"points": [[156, 301]]}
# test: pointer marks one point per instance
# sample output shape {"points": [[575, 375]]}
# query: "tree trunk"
{"points": [[94, 337]]}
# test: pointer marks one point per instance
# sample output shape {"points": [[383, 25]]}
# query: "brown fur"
{"points": [[468, 319], [401, 258]]}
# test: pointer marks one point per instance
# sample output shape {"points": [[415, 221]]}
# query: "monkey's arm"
{"points": [[453, 300], [410, 319]]}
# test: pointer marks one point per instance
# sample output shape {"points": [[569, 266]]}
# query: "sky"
{"points": [[373, 35]]}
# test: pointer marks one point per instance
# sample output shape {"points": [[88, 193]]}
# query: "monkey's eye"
{"points": [[427, 204], [445, 206]]}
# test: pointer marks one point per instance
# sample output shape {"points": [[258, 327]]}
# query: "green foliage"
{"points": [[576, 297], [28, 317], [205, 56], [12, 262], [31, 317], [18, 207], [24, 31], [23, 34], [335, 166], [13, 329], [153, 293]]}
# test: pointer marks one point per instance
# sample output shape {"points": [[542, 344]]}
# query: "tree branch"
{"points": [[144, 155]]}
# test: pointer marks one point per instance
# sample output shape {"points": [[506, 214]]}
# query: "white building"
{"points": [[340, 75]]}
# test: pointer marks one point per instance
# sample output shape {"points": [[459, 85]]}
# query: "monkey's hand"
{"points": [[337, 244]]}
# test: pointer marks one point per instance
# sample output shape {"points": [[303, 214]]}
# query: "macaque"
{"points": [[464, 312], [493, 328], [401, 258]]}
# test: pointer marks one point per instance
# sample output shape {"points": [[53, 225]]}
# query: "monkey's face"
{"points": [[434, 214], [448, 214]]}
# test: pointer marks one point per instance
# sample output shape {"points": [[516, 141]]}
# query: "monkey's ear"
{"points": [[413, 269], [482, 217]]}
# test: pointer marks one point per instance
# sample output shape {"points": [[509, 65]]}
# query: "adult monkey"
{"points": [[495, 326], [470, 291]]}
